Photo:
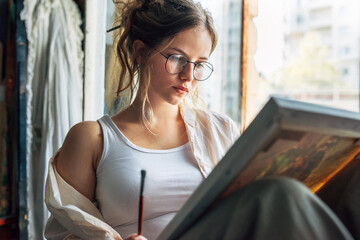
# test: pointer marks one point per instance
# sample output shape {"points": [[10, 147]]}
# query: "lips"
{"points": [[182, 88]]}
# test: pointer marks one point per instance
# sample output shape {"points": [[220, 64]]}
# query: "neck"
{"points": [[162, 111]]}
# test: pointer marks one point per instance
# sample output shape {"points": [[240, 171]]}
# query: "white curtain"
{"points": [[54, 92]]}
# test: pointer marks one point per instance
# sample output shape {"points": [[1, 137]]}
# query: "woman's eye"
{"points": [[179, 59], [182, 59], [175, 57], [200, 65]]}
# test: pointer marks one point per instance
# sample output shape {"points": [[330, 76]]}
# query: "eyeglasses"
{"points": [[176, 64]]}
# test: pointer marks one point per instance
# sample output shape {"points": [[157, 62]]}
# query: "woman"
{"points": [[163, 49]]}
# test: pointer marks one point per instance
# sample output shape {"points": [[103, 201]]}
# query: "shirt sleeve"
{"points": [[234, 130]]}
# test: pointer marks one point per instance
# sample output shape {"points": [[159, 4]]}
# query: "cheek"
{"points": [[158, 71]]}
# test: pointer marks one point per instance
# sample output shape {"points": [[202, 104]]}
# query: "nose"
{"points": [[188, 73]]}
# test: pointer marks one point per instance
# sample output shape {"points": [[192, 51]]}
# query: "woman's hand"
{"points": [[135, 236]]}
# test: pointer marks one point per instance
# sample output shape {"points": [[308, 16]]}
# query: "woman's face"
{"points": [[195, 44]]}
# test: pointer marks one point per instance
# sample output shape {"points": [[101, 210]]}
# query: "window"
{"points": [[344, 31], [343, 51], [319, 14], [299, 20], [301, 63], [224, 86], [344, 10]]}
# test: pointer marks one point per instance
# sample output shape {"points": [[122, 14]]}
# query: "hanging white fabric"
{"points": [[54, 92]]}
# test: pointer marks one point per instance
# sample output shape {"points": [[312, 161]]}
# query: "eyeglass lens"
{"points": [[176, 64]]}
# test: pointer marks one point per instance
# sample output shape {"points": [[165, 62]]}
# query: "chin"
{"points": [[176, 101]]}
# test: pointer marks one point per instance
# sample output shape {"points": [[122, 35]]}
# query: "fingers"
{"points": [[135, 236]]}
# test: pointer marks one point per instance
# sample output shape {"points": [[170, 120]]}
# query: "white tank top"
{"points": [[171, 177]]}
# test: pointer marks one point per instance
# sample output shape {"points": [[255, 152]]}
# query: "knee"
{"points": [[279, 188], [283, 184]]}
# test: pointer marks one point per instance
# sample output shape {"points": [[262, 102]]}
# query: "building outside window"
{"points": [[311, 63]]}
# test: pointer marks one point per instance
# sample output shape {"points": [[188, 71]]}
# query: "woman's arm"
{"points": [[78, 157]]}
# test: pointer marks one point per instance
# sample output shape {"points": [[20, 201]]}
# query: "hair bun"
{"points": [[148, 2], [145, 4]]}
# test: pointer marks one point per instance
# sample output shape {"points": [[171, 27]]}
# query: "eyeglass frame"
{"points": [[187, 61]]}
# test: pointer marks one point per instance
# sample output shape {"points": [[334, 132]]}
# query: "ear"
{"points": [[138, 49]]}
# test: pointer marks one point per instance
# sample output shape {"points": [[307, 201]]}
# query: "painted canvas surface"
{"points": [[310, 157]]}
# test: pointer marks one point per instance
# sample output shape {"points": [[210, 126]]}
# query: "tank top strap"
{"points": [[109, 136]]}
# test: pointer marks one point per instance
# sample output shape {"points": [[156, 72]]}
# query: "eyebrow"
{"points": [[183, 53]]}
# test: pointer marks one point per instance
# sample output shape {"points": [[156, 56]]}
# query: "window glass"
{"points": [[313, 61], [222, 91], [112, 105]]}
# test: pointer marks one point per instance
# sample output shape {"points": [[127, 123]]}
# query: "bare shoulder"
{"points": [[84, 134], [78, 157]]}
